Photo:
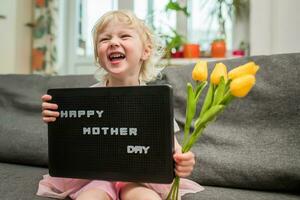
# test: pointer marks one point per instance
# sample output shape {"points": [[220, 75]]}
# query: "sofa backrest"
{"points": [[22, 132]]}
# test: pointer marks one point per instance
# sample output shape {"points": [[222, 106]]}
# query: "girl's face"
{"points": [[121, 51]]}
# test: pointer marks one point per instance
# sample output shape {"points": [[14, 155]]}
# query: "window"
{"points": [[153, 12], [203, 28], [89, 12], [81, 15]]}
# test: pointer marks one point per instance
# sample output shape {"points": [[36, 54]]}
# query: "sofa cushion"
{"points": [[21, 182], [255, 143], [217, 193], [23, 134]]}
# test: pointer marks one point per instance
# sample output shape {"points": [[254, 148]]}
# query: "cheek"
{"points": [[100, 49], [137, 49], [101, 52]]}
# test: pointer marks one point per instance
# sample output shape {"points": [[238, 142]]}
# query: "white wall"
{"points": [[274, 26], [15, 40], [7, 30]]}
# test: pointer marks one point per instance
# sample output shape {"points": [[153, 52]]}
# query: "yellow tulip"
{"points": [[241, 86], [200, 71], [248, 68], [219, 71]]}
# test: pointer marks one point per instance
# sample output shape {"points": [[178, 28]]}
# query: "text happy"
{"points": [[80, 113]]}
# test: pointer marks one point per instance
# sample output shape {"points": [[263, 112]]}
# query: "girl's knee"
{"points": [[93, 194]]}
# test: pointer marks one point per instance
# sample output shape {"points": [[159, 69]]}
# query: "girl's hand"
{"points": [[47, 109], [184, 163]]}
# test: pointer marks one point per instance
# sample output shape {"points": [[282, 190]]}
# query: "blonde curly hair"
{"points": [[150, 68]]}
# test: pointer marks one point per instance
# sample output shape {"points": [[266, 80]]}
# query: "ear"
{"points": [[146, 52]]}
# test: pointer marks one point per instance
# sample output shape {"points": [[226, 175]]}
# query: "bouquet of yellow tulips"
{"points": [[223, 88]]}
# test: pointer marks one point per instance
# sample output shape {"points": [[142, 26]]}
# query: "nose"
{"points": [[114, 42]]}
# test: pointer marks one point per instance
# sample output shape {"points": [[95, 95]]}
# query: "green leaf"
{"points": [[210, 114], [208, 100], [191, 104], [176, 7], [39, 33], [173, 6], [41, 28], [199, 89], [219, 93], [227, 98], [185, 10], [190, 110], [193, 139]]}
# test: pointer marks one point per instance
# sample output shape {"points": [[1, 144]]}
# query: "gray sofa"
{"points": [[252, 151]]}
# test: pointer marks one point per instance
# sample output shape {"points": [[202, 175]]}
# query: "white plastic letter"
{"points": [[72, 113], [63, 114], [99, 112], [133, 131], [130, 149], [86, 130], [90, 113], [81, 113], [96, 130], [123, 131]]}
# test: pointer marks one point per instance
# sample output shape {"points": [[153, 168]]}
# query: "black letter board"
{"points": [[113, 133]]}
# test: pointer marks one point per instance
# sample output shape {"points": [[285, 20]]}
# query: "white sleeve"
{"points": [[176, 127], [99, 84]]}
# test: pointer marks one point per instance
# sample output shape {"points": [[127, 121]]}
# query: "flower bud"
{"points": [[248, 68], [219, 71], [200, 71], [241, 86]]}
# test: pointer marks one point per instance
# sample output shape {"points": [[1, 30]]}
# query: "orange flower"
{"points": [[38, 58], [241, 86], [200, 71], [248, 68], [219, 71], [40, 3]]}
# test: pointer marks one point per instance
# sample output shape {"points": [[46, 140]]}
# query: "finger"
{"points": [[49, 106], [184, 156], [49, 113], [182, 174], [184, 169], [49, 119], [46, 97], [186, 162]]}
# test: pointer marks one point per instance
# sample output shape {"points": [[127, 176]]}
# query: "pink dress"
{"points": [[60, 188]]}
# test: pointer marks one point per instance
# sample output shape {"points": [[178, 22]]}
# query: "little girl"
{"points": [[125, 48]]}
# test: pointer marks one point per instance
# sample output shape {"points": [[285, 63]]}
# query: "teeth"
{"points": [[116, 55]]}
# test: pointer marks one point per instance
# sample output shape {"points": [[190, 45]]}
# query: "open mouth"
{"points": [[116, 56]]}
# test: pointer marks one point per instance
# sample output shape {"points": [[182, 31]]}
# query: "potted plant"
{"points": [[177, 45], [191, 50], [222, 8], [174, 44], [218, 48]]}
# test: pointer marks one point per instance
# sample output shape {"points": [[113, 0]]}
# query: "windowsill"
{"points": [[185, 61]]}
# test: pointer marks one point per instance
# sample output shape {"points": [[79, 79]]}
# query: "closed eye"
{"points": [[125, 36], [103, 39]]}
